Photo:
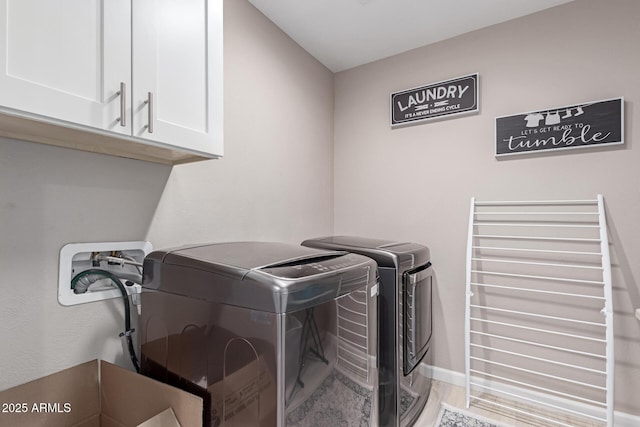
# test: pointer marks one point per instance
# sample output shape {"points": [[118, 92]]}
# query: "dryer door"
{"points": [[417, 318]]}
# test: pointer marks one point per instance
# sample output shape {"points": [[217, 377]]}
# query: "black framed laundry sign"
{"points": [[589, 124], [437, 100]]}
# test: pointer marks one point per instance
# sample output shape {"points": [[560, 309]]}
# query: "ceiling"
{"points": [[343, 34]]}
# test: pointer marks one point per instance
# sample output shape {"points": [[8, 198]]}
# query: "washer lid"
{"points": [[274, 277], [238, 258], [387, 253]]}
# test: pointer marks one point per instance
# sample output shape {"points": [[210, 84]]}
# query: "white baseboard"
{"points": [[621, 419]]}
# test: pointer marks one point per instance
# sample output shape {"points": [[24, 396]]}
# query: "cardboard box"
{"points": [[247, 397], [98, 393]]}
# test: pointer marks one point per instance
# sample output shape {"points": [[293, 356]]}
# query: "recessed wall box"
{"points": [[78, 257]]}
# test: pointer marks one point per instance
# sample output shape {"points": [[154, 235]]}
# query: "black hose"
{"points": [[127, 309]]}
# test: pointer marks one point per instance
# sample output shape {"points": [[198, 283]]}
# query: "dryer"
{"points": [[406, 323]]}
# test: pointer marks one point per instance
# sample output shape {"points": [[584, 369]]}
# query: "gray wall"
{"points": [[415, 183], [275, 183], [49, 197], [276, 179]]}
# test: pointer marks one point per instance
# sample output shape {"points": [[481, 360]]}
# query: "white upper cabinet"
{"points": [[146, 71], [66, 59], [177, 72]]}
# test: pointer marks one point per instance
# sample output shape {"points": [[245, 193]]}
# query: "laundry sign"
{"points": [[447, 98], [590, 124]]}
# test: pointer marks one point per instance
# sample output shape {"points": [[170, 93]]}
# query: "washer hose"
{"points": [[96, 274]]}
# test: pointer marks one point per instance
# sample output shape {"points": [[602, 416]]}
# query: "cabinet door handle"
{"points": [[149, 103], [123, 104]]}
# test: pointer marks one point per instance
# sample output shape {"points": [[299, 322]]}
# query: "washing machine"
{"points": [[405, 315], [268, 334]]}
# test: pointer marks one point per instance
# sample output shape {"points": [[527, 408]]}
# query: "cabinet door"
{"points": [[65, 60], [177, 72]]}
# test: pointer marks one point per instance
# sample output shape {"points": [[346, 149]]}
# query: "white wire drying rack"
{"points": [[539, 317]]}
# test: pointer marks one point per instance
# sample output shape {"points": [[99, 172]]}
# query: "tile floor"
{"points": [[454, 396]]}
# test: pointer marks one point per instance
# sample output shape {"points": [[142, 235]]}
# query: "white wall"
{"points": [[49, 197], [276, 179], [415, 183], [275, 183]]}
